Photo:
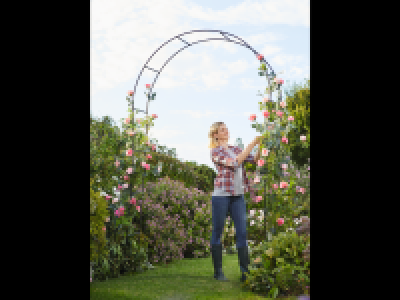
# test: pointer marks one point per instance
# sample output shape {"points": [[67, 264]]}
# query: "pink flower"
{"points": [[121, 208], [266, 99], [252, 117], [117, 163], [302, 138], [257, 179], [138, 208], [291, 118], [147, 167], [282, 104], [285, 140], [133, 201], [126, 177], [260, 162], [278, 80], [127, 120], [148, 86], [148, 156], [143, 164], [131, 133], [302, 190], [130, 93], [280, 221], [260, 57], [159, 169], [283, 185], [115, 200], [153, 147], [264, 152], [279, 113], [275, 186], [116, 212], [138, 120], [90, 279], [269, 127], [108, 197], [129, 171], [104, 228], [129, 152], [258, 198], [154, 116], [284, 166], [265, 113], [273, 110], [125, 185]]}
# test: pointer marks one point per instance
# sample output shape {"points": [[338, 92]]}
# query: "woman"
{"points": [[229, 187]]}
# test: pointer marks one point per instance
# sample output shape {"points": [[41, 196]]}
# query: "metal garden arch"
{"points": [[225, 37]]}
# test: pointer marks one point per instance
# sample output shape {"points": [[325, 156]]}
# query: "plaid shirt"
{"points": [[226, 171]]}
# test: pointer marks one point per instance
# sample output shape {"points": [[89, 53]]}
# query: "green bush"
{"points": [[277, 268], [98, 215]]}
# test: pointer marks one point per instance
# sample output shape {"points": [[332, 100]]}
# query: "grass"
{"points": [[183, 279]]}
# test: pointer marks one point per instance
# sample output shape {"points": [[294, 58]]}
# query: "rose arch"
{"points": [[228, 37]]}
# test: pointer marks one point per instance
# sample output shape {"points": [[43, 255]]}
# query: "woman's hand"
{"points": [[257, 140]]}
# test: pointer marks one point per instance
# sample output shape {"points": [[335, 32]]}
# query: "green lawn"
{"points": [[184, 279]]}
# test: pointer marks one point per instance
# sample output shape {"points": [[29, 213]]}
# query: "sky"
{"points": [[204, 83]]}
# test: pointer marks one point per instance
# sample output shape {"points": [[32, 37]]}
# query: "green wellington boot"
{"points": [[244, 260], [216, 251]]}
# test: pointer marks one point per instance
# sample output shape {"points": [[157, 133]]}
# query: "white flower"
{"points": [[252, 222]]}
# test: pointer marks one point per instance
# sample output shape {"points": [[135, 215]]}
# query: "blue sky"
{"points": [[205, 83]]}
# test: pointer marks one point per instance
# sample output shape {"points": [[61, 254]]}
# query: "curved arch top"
{"points": [[225, 38]]}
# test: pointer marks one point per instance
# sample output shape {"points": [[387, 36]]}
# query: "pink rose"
{"points": [[127, 121], [148, 156], [265, 99], [130, 93], [148, 86], [283, 185], [258, 198], [275, 186], [138, 208], [291, 118], [279, 113], [265, 113], [129, 152], [302, 190], [125, 185], [116, 163], [153, 147], [116, 212], [264, 152], [131, 133], [143, 164], [108, 197], [260, 162], [115, 200], [129, 171], [133, 201], [284, 166], [280, 221], [282, 104], [252, 117], [121, 208], [278, 80], [104, 228], [302, 138], [257, 179], [260, 57], [147, 167], [154, 116], [119, 187], [285, 140], [126, 177], [273, 110]]}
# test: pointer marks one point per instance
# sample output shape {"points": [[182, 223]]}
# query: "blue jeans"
{"points": [[236, 207]]}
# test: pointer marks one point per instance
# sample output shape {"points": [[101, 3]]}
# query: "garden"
{"points": [[153, 242]]}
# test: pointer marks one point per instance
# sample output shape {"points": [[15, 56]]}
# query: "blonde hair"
{"points": [[214, 129]]}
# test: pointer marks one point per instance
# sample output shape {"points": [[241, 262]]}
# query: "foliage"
{"points": [[298, 105], [277, 268], [98, 214]]}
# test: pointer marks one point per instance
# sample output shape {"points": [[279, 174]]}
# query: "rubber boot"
{"points": [[244, 260], [216, 251]]}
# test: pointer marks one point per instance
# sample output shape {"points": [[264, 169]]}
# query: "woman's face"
{"points": [[223, 134]]}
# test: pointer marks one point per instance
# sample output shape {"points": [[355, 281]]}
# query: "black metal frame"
{"points": [[226, 37]]}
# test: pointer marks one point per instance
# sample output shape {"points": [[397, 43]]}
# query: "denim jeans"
{"points": [[236, 207]]}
